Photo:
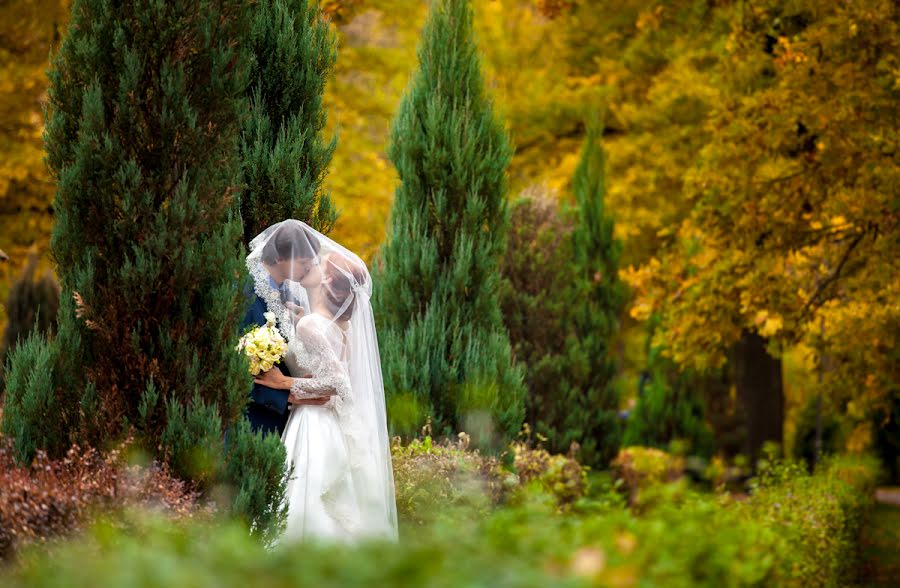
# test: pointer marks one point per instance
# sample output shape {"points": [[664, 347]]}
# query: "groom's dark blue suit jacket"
{"points": [[268, 408]]}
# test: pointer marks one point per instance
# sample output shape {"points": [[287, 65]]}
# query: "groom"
{"points": [[287, 255]]}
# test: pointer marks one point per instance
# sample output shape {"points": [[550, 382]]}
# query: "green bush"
{"points": [[32, 306], [562, 301], [668, 410], [569, 399], [813, 520], [31, 398], [558, 476], [433, 479], [642, 468], [255, 469], [450, 481]]}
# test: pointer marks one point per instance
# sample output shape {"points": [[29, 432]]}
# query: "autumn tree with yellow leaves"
{"points": [[792, 234]]}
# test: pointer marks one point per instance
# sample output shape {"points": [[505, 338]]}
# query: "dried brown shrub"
{"points": [[51, 498]]}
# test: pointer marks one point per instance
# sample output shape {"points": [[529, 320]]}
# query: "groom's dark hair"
{"points": [[290, 241]]}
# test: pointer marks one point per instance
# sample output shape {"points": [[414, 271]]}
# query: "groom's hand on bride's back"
{"points": [[295, 398], [317, 401]]}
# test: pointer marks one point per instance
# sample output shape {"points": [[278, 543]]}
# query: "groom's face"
{"points": [[296, 269]]}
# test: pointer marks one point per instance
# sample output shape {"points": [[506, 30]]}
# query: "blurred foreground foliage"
{"points": [[794, 529]]}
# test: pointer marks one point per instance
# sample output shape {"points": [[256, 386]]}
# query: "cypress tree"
{"points": [[283, 154], [445, 350], [144, 115], [591, 403], [562, 300]]}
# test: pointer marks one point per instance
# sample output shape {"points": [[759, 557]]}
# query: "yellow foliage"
{"points": [[787, 224], [28, 31]]}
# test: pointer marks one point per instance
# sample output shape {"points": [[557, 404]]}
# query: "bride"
{"points": [[342, 486]]}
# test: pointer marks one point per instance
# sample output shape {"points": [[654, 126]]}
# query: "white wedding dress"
{"points": [[321, 498]]}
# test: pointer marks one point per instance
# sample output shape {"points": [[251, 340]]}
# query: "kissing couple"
{"points": [[326, 398]]}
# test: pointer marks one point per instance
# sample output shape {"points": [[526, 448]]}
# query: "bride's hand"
{"points": [[273, 378]]}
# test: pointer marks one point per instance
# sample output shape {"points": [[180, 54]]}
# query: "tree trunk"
{"points": [[759, 389], [724, 410]]}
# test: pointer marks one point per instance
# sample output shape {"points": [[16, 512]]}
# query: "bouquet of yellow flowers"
{"points": [[264, 346]]}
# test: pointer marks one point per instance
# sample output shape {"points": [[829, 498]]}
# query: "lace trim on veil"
{"points": [[271, 297]]}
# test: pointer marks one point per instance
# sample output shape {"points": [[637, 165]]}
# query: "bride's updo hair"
{"points": [[337, 269]]}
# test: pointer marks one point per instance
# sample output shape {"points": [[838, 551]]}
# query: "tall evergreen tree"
{"points": [[144, 116], [284, 155], [445, 350], [593, 401], [562, 301]]}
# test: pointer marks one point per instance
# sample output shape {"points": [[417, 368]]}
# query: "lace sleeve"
{"points": [[317, 387], [329, 376]]}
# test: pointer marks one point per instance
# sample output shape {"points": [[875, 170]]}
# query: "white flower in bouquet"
{"points": [[264, 346]]}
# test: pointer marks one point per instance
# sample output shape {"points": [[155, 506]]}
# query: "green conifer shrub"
{"points": [[668, 409], [145, 112], [284, 156], [31, 306]]}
